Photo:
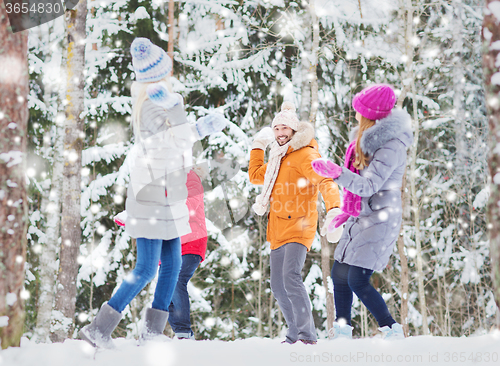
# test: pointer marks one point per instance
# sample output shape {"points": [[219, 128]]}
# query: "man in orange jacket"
{"points": [[291, 188]]}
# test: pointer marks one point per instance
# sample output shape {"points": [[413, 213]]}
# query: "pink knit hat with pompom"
{"points": [[375, 102], [287, 116]]}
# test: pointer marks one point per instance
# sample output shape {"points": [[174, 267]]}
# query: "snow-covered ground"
{"points": [[421, 350]]}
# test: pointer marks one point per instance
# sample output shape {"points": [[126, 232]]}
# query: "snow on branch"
{"points": [[96, 189], [107, 153]]}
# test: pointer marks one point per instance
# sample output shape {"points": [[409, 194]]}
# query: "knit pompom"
{"points": [[141, 48], [288, 106]]}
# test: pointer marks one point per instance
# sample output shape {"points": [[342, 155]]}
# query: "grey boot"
{"points": [[98, 333], [155, 321]]}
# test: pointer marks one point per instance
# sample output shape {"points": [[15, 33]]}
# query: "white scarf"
{"points": [[273, 167]]}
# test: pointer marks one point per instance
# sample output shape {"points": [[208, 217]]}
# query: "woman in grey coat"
{"points": [[157, 214], [370, 233]]}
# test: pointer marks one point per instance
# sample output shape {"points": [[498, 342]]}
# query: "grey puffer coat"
{"points": [[156, 196], [368, 240]]}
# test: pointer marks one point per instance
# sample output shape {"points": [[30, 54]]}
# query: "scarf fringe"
{"points": [[273, 167]]}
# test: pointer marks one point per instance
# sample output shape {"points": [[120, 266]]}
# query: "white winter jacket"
{"points": [[157, 193]]}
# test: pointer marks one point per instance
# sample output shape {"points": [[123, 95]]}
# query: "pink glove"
{"points": [[337, 221], [326, 168], [121, 218]]}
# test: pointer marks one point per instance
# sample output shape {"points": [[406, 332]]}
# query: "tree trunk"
{"points": [[171, 19], [325, 273], [259, 293], [51, 208], [458, 87], [404, 284], [314, 62], [310, 94], [71, 190], [271, 319], [13, 206], [305, 54], [404, 263], [401, 244], [413, 165], [491, 35], [416, 214]]}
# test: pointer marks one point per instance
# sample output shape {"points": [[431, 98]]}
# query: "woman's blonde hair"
{"points": [[361, 161], [138, 90]]}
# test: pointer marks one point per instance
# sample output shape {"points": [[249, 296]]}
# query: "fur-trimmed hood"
{"points": [[396, 125], [303, 136]]}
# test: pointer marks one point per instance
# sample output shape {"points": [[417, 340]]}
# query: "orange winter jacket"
{"points": [[293, 212]]}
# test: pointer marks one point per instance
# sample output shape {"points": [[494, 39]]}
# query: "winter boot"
{"points": [[185, 335], [155, 321], [340, 331], [394, 332], [98, 333], [308, 341]]}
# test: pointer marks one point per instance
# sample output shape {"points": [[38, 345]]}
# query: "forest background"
{"points": [[243, 59]]}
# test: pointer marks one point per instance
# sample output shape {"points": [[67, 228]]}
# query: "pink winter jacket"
{"points": [[196, 241]]}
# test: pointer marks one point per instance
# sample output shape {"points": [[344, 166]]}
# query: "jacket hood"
{"points": [[303, 136], [396, 125]]}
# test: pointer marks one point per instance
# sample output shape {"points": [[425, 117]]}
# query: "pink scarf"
{"points": [[351, 202]]}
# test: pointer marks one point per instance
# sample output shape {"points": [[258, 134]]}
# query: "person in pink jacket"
{"points": [[194, 246]]}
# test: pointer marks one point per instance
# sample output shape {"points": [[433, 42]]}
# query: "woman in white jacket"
{"points": [[157, 215]]}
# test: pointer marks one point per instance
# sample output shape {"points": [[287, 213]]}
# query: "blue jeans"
{"points": [[149, 253], [179, 312], [348, 279]]}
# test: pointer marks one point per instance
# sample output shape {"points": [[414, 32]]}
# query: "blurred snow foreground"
{"points": [[419, 350]]}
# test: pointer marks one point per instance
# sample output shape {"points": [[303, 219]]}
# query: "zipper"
{"points": [[350, 240]]}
